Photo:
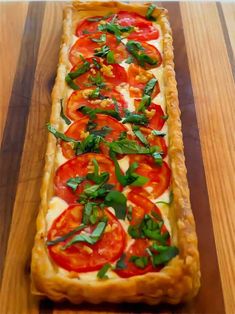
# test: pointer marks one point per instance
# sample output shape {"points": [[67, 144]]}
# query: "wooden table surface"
{"points": [[29, 42]]}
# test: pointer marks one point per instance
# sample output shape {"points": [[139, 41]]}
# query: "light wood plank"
{"points": [[214, 93], [16, 272], [10, 41], [229, 15]]}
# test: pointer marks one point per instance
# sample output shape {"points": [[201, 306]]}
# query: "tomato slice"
{"points": [[84, 257], [154, 140], [153, 53], [159, 176], [138, 248], [108, 100], [142, 207], [80, 166], [86, 26], [110, 74], [144, 30], [138, 78], [86, 47], [77, 131]]}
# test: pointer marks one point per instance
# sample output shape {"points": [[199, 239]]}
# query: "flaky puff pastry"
{"points": [[179, 280]]}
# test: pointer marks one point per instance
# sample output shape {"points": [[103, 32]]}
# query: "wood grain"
{"points": [[214, 93], [8, 61], [229, 15]]}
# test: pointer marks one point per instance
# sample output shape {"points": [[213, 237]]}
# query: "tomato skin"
{"points": [[116, 76], [92, 257], [77, 129], [86, 47], [138, 248], [146, 29], [154, 140], [89, 26], [159, 176], [138, 78], [78, 99], [78, 166]]}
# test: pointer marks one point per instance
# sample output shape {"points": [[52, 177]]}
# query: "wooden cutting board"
{"points": [[24, 138]]}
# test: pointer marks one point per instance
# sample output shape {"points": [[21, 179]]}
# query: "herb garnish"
{"points": [[92, 112], [149, 13], [102, 39], [136, 130], [73, 183], [63, 116], [102, 52], [60, 135], [136, 49], [66, 236], [102, 272], [139, 261], [121, 262], [158, 133], [146, 98], [73, 75], [139, 119]]}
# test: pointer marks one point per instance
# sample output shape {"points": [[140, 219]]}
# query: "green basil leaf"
{"points": [[165, 256], [150, 87], [140, 135], [105, 130], [149, 13], [121, 262], [139, 261], [60, 135], [85, 31], [95, 93], [63, 116], [136, 49], [88, 238], [71, 83], [165, 117], [129, 60], [157, 158], [92, 112], [97, 81], [98, 19], [102, 52], [74, 182], [90, 144], [130, 147], [65, 236], [158, 133], [102, 39], [134, 118], [117, 200], [95, 176], [102, 272], [144, 103], [110, 57], [81, 70]]}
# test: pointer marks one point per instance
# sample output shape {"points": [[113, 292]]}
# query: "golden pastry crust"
{"points": [[180, 279]]}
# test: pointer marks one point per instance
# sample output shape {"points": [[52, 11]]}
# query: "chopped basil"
{"points": [[165, 255], [92, 112], [102, 272], [140, 135], [129, 60], [126, 146], [136, 49], [123, 135], [95, 93], [88, 238], [90, 213], [117, 200], [96, 63], [102, 39], [158, 133], [157, 158], [135, 118], [121, 262], [73, 75], [149, 13], [90, 144], [65, 236], [60, 135], [98, 19], [102, 52], [144, 103], [146, 98], [165, 117], [97, 81], [102, 132], [74, 182], [130, 177], [71, 83], [63, 116], [139, 261], [85, 31], [115, 29], [110, 57], [95, 176]]}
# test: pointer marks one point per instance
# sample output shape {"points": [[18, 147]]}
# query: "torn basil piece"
{"points": [[165, 255], [73, 183], [102, 272], [149, 13], [63, 116], [66, 236], [117, 201]]}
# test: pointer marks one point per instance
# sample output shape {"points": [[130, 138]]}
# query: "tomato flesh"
{"points": [[112, 75], [86, 26], [78, 166], [79, 98], [86, 47], [84, 257], [78, 129], [159, 176]]}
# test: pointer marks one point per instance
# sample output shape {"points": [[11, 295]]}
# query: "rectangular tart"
{"points": [[115, 222]]}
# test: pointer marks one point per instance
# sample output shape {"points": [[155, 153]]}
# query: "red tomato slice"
{"points": [[80, 98], [159, 176], [84, 257], [86, 47], [78, 128], [80, 166], [154, 140], [143, 206], [138, 78], [138, 248], [87, 26], [111, 74], [144, 29]]}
